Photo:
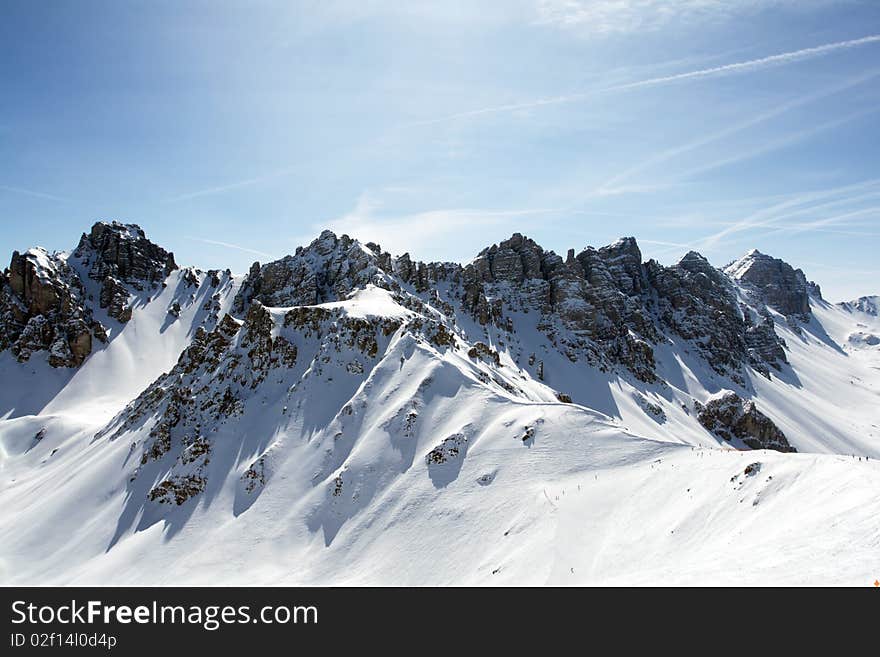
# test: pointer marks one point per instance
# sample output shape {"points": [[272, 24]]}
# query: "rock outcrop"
{"points": [[729, 416], [774, 282], [120, 257], [45, 298], [604, 307], [326, 270], [215, 378], [43, 308], [867, 305], [699, 304], [591, 304]]}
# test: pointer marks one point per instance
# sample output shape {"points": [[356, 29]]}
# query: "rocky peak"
{"points": [[613, 307], [697, 302], [868, 305], [620, 263], [696, 263], [514, 260], [328, 269], [124, 252], [625, 247], [121, 258], [700, 278], [44, 301], [774, 281]]}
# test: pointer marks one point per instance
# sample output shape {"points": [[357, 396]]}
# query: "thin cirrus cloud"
{"points": [[35, 194], [761, 63], [779, 143], [622, 16], [421, 231], [795, 205], [219, 189], [612, 183], [820, 225], [788, 214], [228, 245]]}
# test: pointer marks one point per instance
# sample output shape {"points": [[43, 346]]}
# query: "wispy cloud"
{"points": [[779, 143], [229, 245], [676, 245], [821, 225], [751, 65], [754, 64], [420, 232], [794, 205], [615, 181], [623, 16], [247, 182], [30, 192]]}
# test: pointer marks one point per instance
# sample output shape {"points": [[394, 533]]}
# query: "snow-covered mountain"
{"points": [[345, 416]]}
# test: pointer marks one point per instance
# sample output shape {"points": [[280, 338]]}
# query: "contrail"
{"points": [[777, 144], [231, 246], [763, 62], [234, 185], [738, 127], [29, 192], [773, 213], [727, 69]]}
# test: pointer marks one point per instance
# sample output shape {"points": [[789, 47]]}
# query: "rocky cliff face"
{"points": [[605, 307], [608, 307], [613, 307], [43, 307], [120, 257], [775, 283], [44, 302]]}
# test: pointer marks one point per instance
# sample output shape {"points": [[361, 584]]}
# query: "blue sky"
{"points": [[237, 131]]}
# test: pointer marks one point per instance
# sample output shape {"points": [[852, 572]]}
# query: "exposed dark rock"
{"points": [[776, 283], [124, 252], [484, 352], [867, 305], [764, 345], [729, 416], [44, 305], [653, 410], [255, 476], [178, 490], [122, 259], [43, 308], [451, 448], [327, 270]]}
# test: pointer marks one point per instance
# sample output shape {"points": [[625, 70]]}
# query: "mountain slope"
{"points": [[345, 416]]}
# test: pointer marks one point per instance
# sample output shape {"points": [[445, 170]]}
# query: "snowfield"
{"points": [[370, 443]]}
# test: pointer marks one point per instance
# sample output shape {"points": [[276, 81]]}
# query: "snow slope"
{"points": [[585, 503], [387, 437], [137, 353]]}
